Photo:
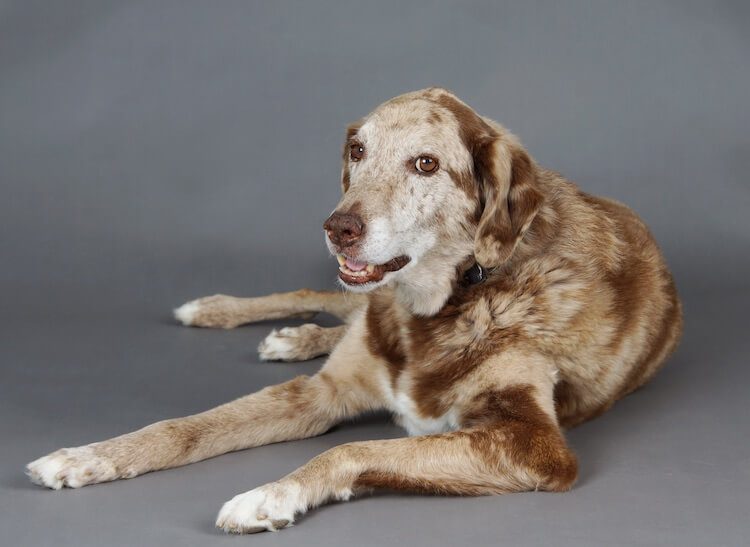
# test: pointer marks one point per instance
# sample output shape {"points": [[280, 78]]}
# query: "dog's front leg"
{"points": [[300, 408], [230, 311], [301, 343], [508, 443]]}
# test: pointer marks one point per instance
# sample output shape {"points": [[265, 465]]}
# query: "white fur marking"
{"points": [[408, 417], [71, 467], [278, 346], [269, 507], [414, 424], [186, 313]]}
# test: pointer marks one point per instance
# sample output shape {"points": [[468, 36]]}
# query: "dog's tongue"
{"points": [[355, 266]]}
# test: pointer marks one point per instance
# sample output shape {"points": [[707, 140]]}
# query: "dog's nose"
{"points": [[344, 229]]}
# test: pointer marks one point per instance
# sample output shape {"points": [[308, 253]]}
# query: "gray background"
{"points": [[153, 152]]}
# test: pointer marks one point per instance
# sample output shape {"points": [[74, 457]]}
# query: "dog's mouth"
{"points": [[354, 272]]}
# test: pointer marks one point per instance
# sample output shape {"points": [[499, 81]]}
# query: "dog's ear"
{"points": [[510, 195]]}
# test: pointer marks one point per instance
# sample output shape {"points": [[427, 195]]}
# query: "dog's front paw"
{"points": [[71, 467], [270, 507], [292, 344], [217, 311]]}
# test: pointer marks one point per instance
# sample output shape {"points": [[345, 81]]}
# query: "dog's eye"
{"points": [[426, 164], [356, 151]]}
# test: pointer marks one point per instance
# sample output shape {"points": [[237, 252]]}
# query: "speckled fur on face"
{"points": [[429, 218], [576, 310]]}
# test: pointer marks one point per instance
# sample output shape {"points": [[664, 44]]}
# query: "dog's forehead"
{"points": [[410, 121]]}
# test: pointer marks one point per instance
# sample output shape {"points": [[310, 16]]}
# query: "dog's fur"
{"points": [[577, 310]]}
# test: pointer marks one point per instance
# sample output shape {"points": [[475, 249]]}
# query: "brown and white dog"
{"points": [[502, 305]]}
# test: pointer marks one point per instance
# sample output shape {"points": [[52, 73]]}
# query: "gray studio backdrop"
{"points": [[152, 152]]}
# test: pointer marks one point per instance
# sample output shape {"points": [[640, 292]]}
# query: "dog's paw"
{"points": [[270, 507], [291, 344], [217, 311], [71, 467]]}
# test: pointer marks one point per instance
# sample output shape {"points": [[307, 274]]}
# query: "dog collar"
{"points": [[474, 275]]}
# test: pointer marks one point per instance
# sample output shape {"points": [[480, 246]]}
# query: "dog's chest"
{"points": [[422, 385], [429, 360], [418, 383], [409, 416]]}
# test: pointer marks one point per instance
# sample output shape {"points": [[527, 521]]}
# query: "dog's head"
{"points": [[427, 183]]}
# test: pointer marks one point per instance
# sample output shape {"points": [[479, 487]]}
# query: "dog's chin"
{"points": [[366, 277], [364, 287]]}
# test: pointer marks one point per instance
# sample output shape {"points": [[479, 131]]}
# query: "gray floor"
{"points": [[155, 152]]}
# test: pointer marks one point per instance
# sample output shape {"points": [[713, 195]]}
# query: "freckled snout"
{"points": [[344, 229]]}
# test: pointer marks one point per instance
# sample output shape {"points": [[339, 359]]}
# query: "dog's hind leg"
{"points": [[301, 343], [227, 312]]}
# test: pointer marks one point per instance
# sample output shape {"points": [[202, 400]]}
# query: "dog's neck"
{"points": [[429, 284]]}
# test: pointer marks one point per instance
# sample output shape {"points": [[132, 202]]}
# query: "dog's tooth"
{"points": [[341, 259], [370, 268]]}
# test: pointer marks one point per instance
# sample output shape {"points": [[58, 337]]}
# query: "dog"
{"points": [[490, 305]]}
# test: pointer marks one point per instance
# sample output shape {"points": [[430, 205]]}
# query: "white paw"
{"points": [[71, 467], [279, 345], [270, 507], [217, 311], [185, 314], [291, 344]]}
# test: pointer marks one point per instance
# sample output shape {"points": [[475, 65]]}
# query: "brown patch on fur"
{"points": [[529, 438], [661, 344], [465, 182], [293, 393], [630, 284], [190, 439], [446, 367], [569, 409], [524, 199], [351, 131], [511, 201], [632, 279], [345, 177], [186, 436], [355, 209], [329, 381], [566, 402], [633, 284], [473, 130], [383, 338], [468, 337], [434, 118], [402, 483]]}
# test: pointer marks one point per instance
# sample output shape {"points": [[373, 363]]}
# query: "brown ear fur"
{"points": [[512, 198]]}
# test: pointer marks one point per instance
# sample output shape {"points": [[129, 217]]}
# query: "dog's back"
{"points": [[633, 317]]}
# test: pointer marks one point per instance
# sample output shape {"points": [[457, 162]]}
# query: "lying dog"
{"points": [[502, 304]]}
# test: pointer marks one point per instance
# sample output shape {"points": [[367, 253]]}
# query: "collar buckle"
{"points": [[474, 275]]}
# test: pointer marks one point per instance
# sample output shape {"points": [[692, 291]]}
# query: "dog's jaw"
{"points": [[426, 287], [422, 286], [426, 282]]}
